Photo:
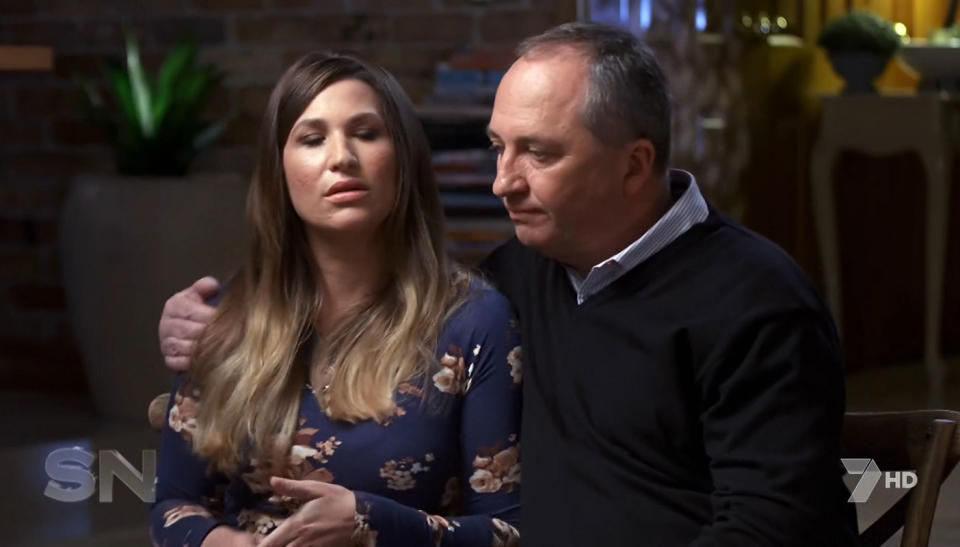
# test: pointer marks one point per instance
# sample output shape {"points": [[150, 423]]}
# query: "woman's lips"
{"points": [[346, 191]]}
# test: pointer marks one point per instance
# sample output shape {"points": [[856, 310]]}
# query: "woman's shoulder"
{"points": [[478, 307], [482, 333], [479, 296]]}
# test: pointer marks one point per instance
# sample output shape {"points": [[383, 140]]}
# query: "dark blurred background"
{"points": [[88, 253]]}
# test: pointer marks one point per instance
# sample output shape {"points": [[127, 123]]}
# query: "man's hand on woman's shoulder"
{"points": [[184, 317]]}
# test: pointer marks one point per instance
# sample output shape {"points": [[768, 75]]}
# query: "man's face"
{"points": [[561, 185]]}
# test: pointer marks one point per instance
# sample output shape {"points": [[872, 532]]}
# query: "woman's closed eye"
{"points": [[312, 139], [367, 134]]}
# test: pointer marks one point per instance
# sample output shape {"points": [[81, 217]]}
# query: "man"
{"points": [[683, 384]]}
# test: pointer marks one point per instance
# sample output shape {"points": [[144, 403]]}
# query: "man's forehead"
{"points": [[539, 89], [558, 71]]}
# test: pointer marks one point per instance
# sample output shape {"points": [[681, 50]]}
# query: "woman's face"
{"points": [[339, 161]]}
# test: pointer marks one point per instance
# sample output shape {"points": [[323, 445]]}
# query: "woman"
{"points": [[354, 387]]}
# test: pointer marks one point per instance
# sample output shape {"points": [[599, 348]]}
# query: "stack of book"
{"points": [[476, 219], [455, 119]]}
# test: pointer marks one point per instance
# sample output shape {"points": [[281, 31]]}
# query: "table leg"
{"points": [[825, 217], [938, 202]]}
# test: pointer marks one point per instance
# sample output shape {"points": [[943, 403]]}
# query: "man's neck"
{"points": [[649, 212]]}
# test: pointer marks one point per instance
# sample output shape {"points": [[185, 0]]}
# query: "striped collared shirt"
{"points": [[688, 209]]}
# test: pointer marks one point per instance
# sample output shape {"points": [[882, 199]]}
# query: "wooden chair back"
{"points": [[927, 441], [157, 411]]}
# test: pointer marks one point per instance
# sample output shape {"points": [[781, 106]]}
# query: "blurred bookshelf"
{"points": [[465, 168]]}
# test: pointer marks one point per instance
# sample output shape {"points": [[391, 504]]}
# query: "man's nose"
{"points": [[509, 179]]}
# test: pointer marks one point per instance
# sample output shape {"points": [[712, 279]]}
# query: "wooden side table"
{"points": [[882, 125]]}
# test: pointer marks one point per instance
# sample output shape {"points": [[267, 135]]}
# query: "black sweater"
{"points": [[698, 400]]}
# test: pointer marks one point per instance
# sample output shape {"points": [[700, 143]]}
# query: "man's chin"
{"points": [[545, 243], [533, 238]]}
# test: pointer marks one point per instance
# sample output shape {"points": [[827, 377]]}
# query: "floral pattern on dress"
{"points": [[504, 535], [299, 467], [406, 388], [183, 413], [258, 522], [452, 376], [404, 496], [398, 412], [515, 360], [363, 535], [305, 463], [439, 526], [399, 474], [499, 472], [174, 514], [473, 364]]}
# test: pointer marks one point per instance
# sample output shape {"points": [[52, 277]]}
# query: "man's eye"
{"points": [[496, 147], [539, 155]]}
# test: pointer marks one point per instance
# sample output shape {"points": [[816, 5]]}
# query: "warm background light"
{"points": [[919, 17]]}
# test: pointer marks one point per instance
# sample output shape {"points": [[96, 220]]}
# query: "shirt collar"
{"points": [[689, 208]]}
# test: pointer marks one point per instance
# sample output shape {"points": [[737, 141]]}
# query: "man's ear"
{"points": [[640, 159]]}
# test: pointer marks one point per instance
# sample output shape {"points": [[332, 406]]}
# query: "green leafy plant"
{"points": [[859, 31], [155, 122]]}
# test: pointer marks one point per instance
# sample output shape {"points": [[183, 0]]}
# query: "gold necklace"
{"points": [[328, 374]]}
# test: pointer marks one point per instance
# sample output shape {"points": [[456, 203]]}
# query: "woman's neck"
{"points": [[351, 270]]}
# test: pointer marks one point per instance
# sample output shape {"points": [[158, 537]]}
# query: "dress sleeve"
{"points": [[490, 445], [773, 410], [187, 495]]}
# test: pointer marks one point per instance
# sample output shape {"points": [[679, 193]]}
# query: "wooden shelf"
{"points": [[453, 113], [465, 168], [26, 58]]}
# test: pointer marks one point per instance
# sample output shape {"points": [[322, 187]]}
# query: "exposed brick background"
{"points": [[45, 140]]}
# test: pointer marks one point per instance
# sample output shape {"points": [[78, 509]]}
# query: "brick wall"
{"points": [[45, 141]]}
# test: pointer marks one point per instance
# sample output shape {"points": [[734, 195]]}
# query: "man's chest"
{"points": [[606, 379]]}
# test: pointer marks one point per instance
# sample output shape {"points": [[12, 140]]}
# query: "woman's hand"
{"points": [[326, 520], [225, 536]]}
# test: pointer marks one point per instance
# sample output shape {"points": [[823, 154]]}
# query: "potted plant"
{"points": [[859, 44], [129, 240]]}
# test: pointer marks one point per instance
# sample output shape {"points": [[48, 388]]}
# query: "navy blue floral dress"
{"points": [[425, 477]]}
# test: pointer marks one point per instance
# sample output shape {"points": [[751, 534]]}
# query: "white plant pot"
{"points": [[126, 245]]}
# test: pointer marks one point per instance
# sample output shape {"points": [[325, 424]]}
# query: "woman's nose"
{"points": [[342, 155]]}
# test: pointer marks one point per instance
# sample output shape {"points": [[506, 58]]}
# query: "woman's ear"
{"points": [[640, 159]]}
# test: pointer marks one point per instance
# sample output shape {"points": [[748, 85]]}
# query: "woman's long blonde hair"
{"points": [[253, 361]]}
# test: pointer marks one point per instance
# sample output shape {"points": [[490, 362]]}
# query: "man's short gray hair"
{"points": [[628, 96]]}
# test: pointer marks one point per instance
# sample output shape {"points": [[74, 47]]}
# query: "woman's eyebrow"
{"points": [[312, 123], [364, 117], [321, 123]]}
